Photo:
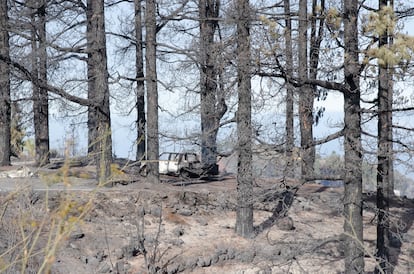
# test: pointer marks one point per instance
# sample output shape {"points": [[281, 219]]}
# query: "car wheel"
{"points": [[184, 173]]}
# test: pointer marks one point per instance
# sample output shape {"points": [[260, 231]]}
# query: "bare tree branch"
{"points": [[58, 91]]}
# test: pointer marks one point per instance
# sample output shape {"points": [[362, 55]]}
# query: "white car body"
{"points": [[174, 163]]}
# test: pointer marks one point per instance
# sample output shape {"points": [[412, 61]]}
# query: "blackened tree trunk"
{"points": [[35, 70], [306, 96], [152, 92], [91, 29], [140, 88], [244, 218], [317, 23], [390, 99], [384, 167], [353, 226], [99, 120], [390, 74], [290, 138], [5, 103], [40, 95], [212, 110]]}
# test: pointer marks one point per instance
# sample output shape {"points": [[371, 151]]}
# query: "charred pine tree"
{"points": [[353, 225], [152, 92], [244, 218], [317, 23], [5, 102], [212, 105], [290, 90], [99, 120], [306, 95], [140, 82], [40, 94], [384, 156]]}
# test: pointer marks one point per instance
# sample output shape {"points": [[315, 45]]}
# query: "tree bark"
{"points": [[290, 138], [390, 99], [353, 226], [5, 102], [152, 93], [140, 89], [306, 96], [211, 110], [244, 218], [384, 167], [40, 94], [99, 120], [91, 30]]}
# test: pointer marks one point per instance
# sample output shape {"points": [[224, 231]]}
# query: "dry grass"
{"points": [[33, 225]]}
